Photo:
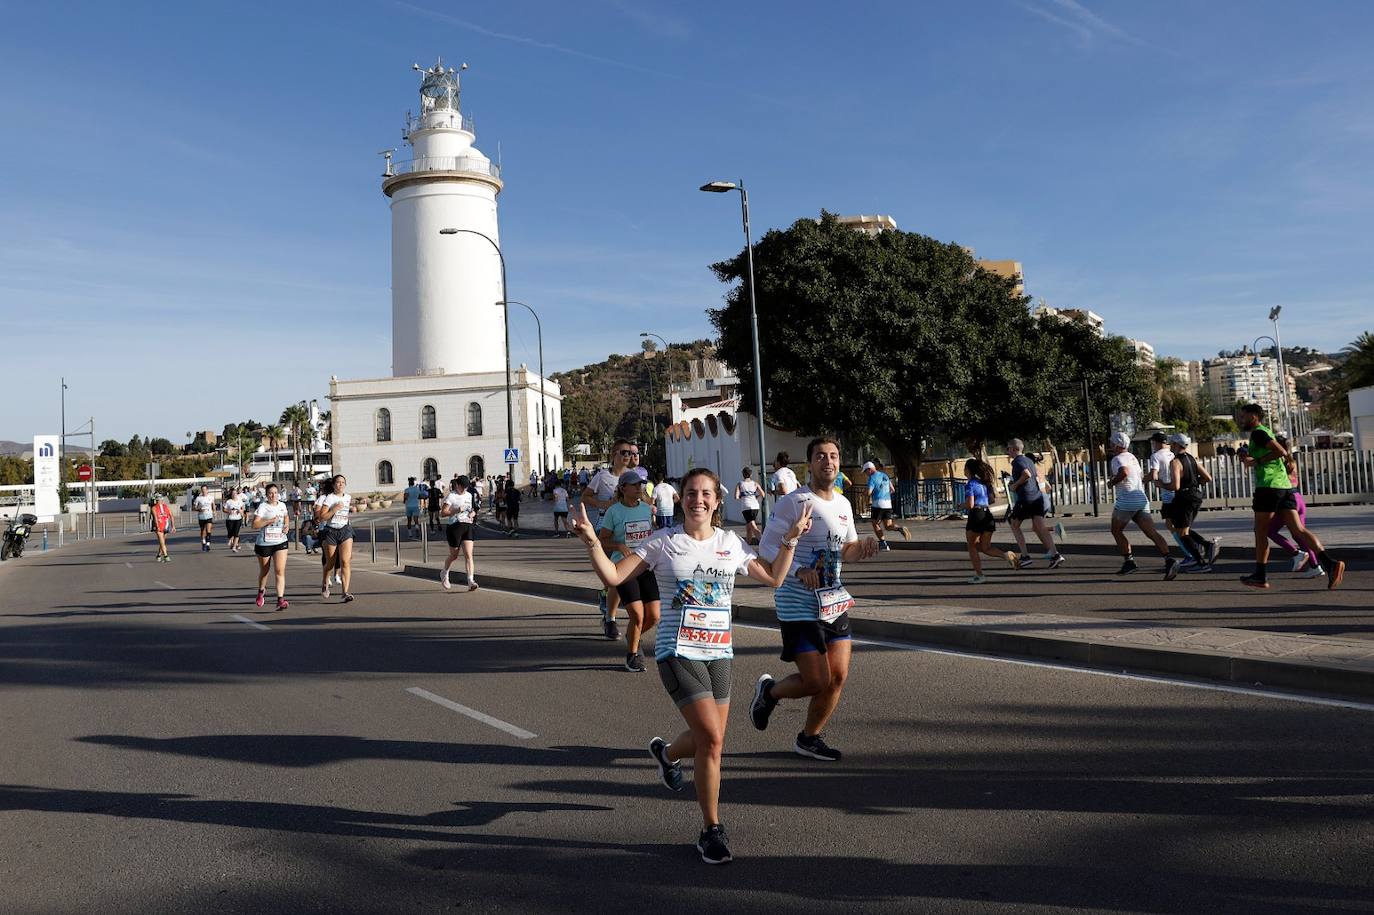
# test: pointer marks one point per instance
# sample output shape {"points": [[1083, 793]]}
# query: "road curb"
{"points": [[1214, 665]]}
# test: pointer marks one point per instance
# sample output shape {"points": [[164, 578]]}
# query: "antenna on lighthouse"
{"points": [[389, 173]]}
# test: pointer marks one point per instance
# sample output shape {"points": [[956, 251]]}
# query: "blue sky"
{"points": [[193, 230]]}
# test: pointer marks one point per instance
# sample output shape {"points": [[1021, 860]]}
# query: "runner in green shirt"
{"points": [[1274, 496]]}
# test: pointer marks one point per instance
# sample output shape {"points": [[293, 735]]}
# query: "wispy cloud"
{"points": [[1086, 25], [540, 44]]}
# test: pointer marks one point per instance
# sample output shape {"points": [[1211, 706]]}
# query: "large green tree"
{"points": [[899, 337]]}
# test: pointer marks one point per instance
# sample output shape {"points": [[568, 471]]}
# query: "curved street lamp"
{"points": [[543, 414], [721, 187], [510, 421]]}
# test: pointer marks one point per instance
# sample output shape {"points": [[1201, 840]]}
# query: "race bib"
{"points": [[635, 531], [835, 602], [704, 634], [274, 532]]}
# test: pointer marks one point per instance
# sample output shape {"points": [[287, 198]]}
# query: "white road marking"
{"points": [[472, 713], [164, 584], [253, 623], [128, 565]]}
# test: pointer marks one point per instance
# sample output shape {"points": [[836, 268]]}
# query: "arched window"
{"points": [[428, 425], [477, 468], [474, 419], [384, 475], [431, 469], [383, 425]]}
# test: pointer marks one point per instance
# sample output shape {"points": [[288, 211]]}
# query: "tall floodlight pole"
{"points": [[1256, 361], [721, 187], [543, 414], [1283, 372], [510, 413]]}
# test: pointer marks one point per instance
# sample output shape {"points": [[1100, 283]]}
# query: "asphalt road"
{"points": [[162, 755]]}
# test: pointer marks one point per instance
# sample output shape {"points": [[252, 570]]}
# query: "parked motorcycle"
{"points": [[16, 535]]}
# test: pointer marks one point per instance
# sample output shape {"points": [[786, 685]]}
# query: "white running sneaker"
{"points": [[338, 579], [1313, 572], [1300, 562], [443, 580]]}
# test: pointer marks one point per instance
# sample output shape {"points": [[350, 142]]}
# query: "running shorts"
{"points": [[204, 521], [1029, 508], [232, 525], [980, 520], [336, 535], [1269, 499], [811, 635], [689, 681], [750, 515], [880, 514], [563, 515], [1183, 509], [512, 512], [457, 532], [1127, 515], [265, 551], [643, 587]]}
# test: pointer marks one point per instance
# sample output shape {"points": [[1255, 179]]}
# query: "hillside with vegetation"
{"points": [[622, 397]]}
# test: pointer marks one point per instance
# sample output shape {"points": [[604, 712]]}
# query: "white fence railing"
{"points": [[1328, 475]]}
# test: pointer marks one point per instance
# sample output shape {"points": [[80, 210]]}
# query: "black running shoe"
{"points": [[1213, 548], [763, 703], [1057, 560], [1255, 581], [1170, 568], [714, 845], [1024, 562], [1127, 567], [815, 748], [669, 772], [634, 662], [609, 628]]}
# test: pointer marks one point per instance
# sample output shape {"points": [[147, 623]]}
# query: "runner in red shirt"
{"points": [[163, 524]]}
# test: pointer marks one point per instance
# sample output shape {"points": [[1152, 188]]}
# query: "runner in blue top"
{"points": [[880, 504], [414, 493], [627, 523], [697, 563], [980, 527], [812, 603], [1029, 505]]}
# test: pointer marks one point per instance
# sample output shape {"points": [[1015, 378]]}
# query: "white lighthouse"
{"points": [[443, 410], [444, 288]]}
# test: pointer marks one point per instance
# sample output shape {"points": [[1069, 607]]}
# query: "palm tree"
{"points": [[274, 435], [296, 418]]}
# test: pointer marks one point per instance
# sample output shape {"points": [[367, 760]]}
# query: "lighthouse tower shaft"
{"points": [[444, 288]]}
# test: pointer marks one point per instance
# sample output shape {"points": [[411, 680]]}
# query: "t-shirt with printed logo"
{"points": [[628, 525], [820, 548], [697, 581]]}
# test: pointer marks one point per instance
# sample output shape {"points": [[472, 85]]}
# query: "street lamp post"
{"points": [[510, 415], [1283, 371], [1283, 382], [721, 187], [543, 414], [668, 388]]}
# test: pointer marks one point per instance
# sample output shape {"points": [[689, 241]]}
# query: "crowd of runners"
{"points": [[677, 577]]}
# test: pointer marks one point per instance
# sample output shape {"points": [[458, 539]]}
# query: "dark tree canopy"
{"points": [[899, 337]]}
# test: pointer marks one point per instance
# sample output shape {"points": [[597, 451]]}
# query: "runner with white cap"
{"points": [[1185, 481], [880, 504], [1133, 505]]}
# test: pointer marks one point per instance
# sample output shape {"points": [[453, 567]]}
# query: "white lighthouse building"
{"points": [[444, 410]]}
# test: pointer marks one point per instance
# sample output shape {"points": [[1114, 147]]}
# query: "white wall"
{"points": [[1362, 418], [728, 452]]}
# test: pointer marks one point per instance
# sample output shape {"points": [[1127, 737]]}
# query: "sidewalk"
{"points": [[1347, 530], [1298, 636]]}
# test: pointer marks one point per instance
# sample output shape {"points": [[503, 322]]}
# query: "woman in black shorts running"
{"points": [[271, 520], [981, 526]]}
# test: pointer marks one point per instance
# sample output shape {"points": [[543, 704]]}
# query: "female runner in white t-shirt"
{"points": [[336, 536], [233, 517], [695, 565], [270, 519]]}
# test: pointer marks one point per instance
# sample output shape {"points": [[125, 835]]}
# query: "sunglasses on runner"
{"points": [[624, 453]]}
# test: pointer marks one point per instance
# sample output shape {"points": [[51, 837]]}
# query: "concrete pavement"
{"points": [[162, 755]]}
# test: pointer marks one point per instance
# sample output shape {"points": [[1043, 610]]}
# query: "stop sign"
{"points": [[83, 472]]}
